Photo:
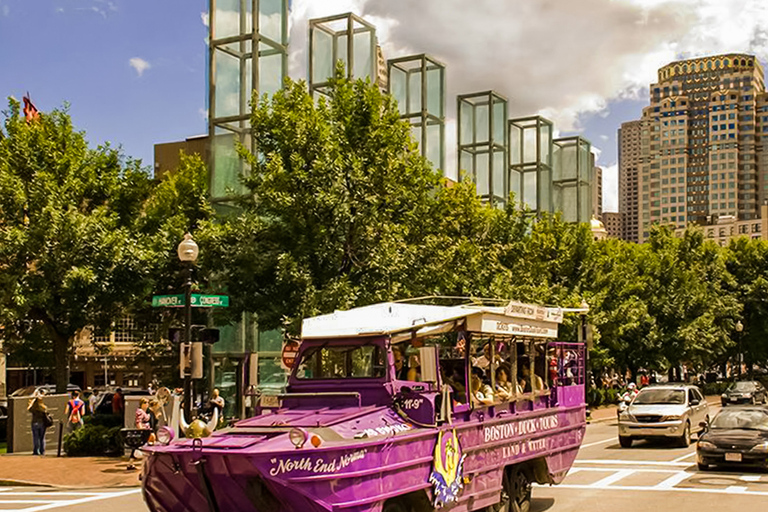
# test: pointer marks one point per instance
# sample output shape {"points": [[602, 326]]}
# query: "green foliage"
{"points": [[85, 234], [94, 440]]}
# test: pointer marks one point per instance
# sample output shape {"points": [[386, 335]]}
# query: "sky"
{"points": [[133, 72]]}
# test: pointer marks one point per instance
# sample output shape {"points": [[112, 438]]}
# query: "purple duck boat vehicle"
{"points": [[395, 407]]}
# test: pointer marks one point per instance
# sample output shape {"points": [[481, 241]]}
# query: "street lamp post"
{"points": [[739, 328], [188, 252]]}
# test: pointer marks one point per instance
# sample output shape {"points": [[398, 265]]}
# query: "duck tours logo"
{"points": [[448, 472]]}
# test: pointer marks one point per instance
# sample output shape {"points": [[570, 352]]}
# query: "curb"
{"points": [[24, 483]]}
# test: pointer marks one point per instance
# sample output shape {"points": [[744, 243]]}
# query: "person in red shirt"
{"points": [[75, 411], [118, 403]]}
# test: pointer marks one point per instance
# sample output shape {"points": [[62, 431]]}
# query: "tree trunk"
{"points": [[61, 358]]}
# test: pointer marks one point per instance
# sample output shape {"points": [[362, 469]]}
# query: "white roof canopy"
{"points": [[392, 318]]}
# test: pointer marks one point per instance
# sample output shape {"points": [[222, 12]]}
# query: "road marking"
{"points": [[736, 489], [599, 442], [612, 479], [634, 462], [674, 480], [49, 504], [626, 488], [680, 459], [750, 478]]}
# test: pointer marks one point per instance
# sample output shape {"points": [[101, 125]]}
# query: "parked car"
{"points": [[737, 436], [744, 392], [104, 399], [42, 388], [665, 411]]}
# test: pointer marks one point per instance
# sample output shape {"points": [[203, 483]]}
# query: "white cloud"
{"points": [[139, 64], [204, 17]]}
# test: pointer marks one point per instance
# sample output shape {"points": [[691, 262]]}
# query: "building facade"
{"points": [[614, 224], [701, 143], [630, 158]]}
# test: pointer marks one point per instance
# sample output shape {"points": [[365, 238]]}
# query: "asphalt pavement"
{"points": [[649, 477]]}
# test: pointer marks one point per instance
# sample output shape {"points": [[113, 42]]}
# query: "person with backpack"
{"points": [[41, 420], [75, 411]]}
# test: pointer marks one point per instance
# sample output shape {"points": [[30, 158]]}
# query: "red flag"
{"points": [[30, 111]]}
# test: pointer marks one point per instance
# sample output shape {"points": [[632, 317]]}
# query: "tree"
{"points": [[337, 197], [82, 238]]}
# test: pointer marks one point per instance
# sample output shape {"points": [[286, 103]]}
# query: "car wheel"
{"points": [[521, 492], [703, 467], [685, 439], [625, 442], [395, 506]]}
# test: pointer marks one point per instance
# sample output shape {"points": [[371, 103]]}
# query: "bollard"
{"points": [[61, 429]]}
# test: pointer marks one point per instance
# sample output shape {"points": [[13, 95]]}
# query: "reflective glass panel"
{"points": [[499, 187], [226, 166], [434, 145], [482, 123], [341, 52], [530, 197], [482, 174], [397, 85], [465, 130], [271, 19], [270, 74], [363, 65], [227, 85], [226, 18], [414, 92], [515, 156], [529, 144], [499, 120], [322, 56], [466, 167], [435, 92], [515, 184], [545, 149]]}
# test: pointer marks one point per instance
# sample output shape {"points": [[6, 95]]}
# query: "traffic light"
{"points": [[199, 333]]}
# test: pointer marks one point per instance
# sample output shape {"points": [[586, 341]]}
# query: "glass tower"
{"points": [[572, 178], [344, 37], [417, 82], [236, 29], [530, 162], [482, 144]]}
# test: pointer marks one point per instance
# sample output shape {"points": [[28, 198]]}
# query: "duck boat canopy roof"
{"points": [[402, 321]]}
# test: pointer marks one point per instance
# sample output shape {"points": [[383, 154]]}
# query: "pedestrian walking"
{"points": [[142, 416], [93, 400], [41, 420], [75, 411]]}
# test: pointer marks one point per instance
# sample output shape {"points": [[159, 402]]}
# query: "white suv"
{"points": [[664, 411]]}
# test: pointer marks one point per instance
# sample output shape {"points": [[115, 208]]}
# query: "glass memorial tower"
{"points": [[530, 162], [248, 53], [572, 178], [344, 37], [417, 82], [482, 144]]}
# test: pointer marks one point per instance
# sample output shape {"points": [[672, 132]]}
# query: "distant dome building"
{"points": [[598, 229]]}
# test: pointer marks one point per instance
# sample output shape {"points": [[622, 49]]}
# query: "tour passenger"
{"points": [[401, 369], [504, 387], [480, 393]]}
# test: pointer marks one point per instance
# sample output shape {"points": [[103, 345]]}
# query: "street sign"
{"points": [[209, 301], [167, 301], [198, 301]]}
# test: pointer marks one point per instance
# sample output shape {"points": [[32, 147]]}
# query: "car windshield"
{"points": [[341, 361], [750, 419], [742, 386], [660, 396]]}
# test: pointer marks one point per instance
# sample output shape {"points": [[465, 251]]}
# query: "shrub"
{"points": [[94, 440], [715, 388]]}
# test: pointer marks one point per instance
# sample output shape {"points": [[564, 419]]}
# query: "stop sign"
{"points": [[290, 351]]}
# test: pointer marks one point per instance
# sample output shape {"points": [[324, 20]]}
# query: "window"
{"points": [[341, 361]]}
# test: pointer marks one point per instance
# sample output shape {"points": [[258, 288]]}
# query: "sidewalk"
{"points": [[79, 472]]}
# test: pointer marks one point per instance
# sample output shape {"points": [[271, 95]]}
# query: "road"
{"points": [[649, 477]]}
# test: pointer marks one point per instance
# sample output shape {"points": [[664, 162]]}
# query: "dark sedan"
{"points": [[737, 436], [745, 392]]}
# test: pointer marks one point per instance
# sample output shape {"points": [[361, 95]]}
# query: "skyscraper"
{"points": [[629, 165], [700, 145]]}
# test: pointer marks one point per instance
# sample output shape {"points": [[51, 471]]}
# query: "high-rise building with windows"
{"points": [[701, 139], [630, 156]]}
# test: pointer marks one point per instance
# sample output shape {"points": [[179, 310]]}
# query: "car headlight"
{"points": [[762, 447], [705, 445], [724, 395], [298, 437], [165, 435], [671, 417]]}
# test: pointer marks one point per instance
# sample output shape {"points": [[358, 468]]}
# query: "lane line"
{"points": [[680, 459], [612, 479], [626, 488], [634, 462], [79, 501], [673, 480], [750, 478], [599, 442], [737, 489]]}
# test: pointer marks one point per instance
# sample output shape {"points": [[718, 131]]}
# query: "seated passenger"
{"points": [[484, 361], [480, 393], [505, 389], [414, 369], [530, 382], [401, 369]]}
